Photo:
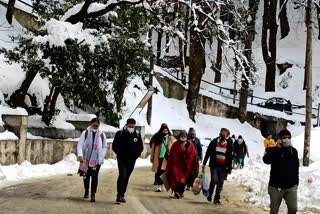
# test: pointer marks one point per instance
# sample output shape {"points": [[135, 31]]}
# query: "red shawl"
{"points": [[182, 164]]}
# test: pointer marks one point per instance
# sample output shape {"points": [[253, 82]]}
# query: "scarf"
{"points": [[164, 146], [91, 152]]}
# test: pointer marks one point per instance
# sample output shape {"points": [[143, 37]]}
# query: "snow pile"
{"points": [[69, 165], [35, 121], [298, 142], [255, 177], [6, 135], [59, 32]]}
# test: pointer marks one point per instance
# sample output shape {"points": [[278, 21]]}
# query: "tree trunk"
{"points": [[152, 62], [10, 11], [49, 110], [159, 45], [308, 71], [218, 66], [253, 9], [284, 24], [270, 27], [197, 59], [17, 98], [318, 15]]}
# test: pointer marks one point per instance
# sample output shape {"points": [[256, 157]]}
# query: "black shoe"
{"points": [[121, 200], [86, 194], [209, 198], [217, 202], [93, 197]]}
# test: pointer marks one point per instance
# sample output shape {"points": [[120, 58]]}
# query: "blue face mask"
{"points": [[183, 139]]}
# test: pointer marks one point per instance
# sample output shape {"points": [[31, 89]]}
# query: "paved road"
{"points": [[63, 194]]}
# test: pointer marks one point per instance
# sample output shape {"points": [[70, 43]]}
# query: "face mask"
{"points": [[193, 139], [286, 142], [94, 130], [130, 130], [164, 134], [183, 139], [222, 137], [240, 141]]}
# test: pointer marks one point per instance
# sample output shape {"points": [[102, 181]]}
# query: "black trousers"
{"points": [[94, 181], [158, 180], [125, 169]]}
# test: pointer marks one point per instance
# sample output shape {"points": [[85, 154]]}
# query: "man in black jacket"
{"points": [[220, 154], [196, 142], [284, 174], [127, 144]]}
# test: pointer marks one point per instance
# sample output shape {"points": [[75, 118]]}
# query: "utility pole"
{"points": [[152, 62], [308, 74]]}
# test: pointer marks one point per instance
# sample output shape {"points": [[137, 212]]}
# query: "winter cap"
{"points": [[191, 131], [284, 132]]}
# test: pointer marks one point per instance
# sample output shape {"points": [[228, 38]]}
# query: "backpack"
{"points": [[101, 135]]}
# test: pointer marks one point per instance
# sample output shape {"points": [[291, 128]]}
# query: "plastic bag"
{"points": [[197, 185], [205, 184]]}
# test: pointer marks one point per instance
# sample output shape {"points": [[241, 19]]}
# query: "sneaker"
{"points": [[217, 202], [188, 188], [209, 198], [93, 197], [158, 188], [86, 194], [163, 188], [121, 200]]}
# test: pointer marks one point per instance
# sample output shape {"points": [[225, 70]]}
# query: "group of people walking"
{"points": [[176, 162]]}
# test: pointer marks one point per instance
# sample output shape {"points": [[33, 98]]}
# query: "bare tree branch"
{"points": [[83, 13]]}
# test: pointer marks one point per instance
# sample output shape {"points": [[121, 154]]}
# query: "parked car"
{"points": [[277, 103]]}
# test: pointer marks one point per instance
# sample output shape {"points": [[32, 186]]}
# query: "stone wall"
{"points": [[25, 19], [39, 151], [8, 152]]}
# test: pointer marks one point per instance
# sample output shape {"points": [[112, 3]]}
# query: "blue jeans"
{"points": [[218, 174]]}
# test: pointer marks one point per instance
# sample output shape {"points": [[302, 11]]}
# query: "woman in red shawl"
{"points": [[182, 167]]}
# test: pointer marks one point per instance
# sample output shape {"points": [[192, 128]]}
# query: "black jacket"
{"points": [[128, 147], [211, 153], [240, 149], [198, 147], [284, 162]]}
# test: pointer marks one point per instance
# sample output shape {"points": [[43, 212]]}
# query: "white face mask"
{"points": [[94, 130], [286, 142], [130, 130]]}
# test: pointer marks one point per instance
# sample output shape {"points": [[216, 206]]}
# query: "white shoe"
{"points": [[158, 188], [163, 187]]}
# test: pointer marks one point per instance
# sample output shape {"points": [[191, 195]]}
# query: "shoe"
{"points": [[158, 188], [217, 202], [188, 188], [121, 200], [209, 198], [163, 188], [93, 197], [86, 194]]}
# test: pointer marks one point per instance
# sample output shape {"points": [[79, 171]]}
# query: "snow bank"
{"points": [[69, 165], [6, 135], [255, 177], [35, 121]]}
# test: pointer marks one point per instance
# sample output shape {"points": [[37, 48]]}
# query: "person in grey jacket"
{"points": [[196, 142], [92, 149]]}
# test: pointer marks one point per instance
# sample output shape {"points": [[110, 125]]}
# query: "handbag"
{"points": [[164, 179]]}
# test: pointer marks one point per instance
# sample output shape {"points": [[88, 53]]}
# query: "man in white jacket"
{"points": [[92, 149]]}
